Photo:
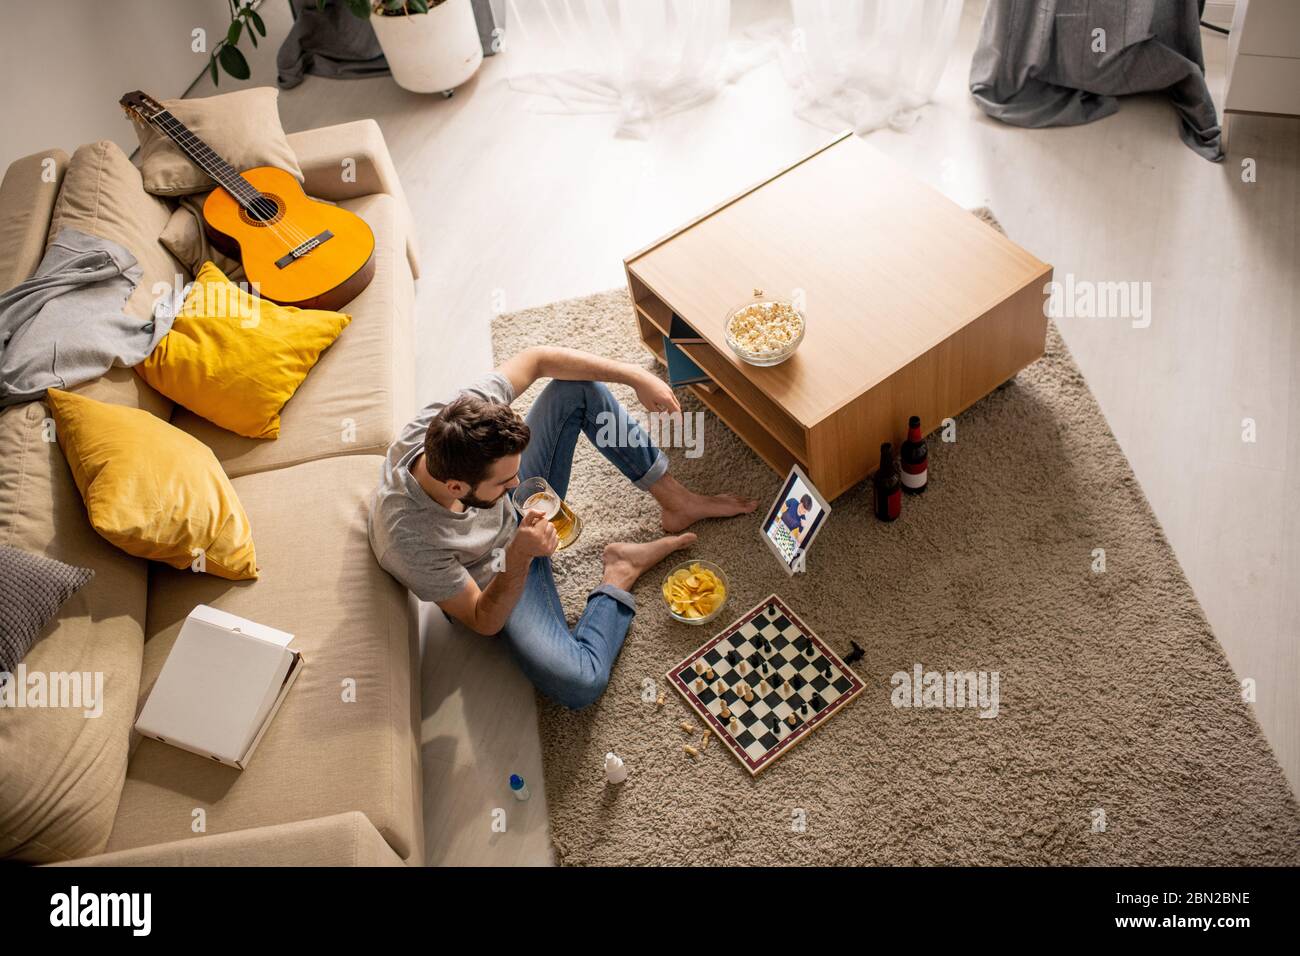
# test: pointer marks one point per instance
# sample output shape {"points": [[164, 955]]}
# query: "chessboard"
{"points": [[764, 684]]}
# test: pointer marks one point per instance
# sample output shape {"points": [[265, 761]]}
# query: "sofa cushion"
{"points": [[32, 589], [60, 772], [153, 490], [235, 358], [102, 195], [186, 238], [322, 754], [243, 128], [27, 195], [361, 391]]}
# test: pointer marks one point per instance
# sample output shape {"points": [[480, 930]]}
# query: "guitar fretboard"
{"points": [[201, 154]]}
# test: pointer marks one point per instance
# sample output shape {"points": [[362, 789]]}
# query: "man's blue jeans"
{"points": [[572, 667]]}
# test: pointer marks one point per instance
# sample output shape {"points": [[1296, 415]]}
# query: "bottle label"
{"points": [[915, 478], [894, 503]]}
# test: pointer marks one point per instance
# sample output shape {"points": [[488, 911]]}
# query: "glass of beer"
{"points": [[536, 494]]}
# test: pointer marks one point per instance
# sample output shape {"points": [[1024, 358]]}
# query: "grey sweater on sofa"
{"points": [[65, 325]]}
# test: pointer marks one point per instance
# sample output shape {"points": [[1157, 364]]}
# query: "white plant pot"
{"points": [[432, 52]]}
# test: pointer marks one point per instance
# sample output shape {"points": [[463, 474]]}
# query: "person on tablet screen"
{"points": [[795, 513]]}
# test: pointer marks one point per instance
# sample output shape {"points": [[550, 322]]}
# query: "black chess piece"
{"points": [[855, 655], [803, 708], [732, 657]]}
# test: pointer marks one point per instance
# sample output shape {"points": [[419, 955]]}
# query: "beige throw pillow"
{"points": [[243, 128]]}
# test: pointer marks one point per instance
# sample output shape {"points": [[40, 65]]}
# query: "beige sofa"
{"points": [[333, 781]]}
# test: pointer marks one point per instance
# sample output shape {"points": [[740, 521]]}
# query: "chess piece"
{"points": [[914, 458], [855, 655], [615, 771], [699, 667]]}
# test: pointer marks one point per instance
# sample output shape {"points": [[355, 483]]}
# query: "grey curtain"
{"points": [[1038, 63]]}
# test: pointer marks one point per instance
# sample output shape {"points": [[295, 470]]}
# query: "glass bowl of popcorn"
{"points": [[765, 331]]}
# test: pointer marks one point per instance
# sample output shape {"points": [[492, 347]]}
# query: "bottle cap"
{"points": [[914, 422], [516, 782]]}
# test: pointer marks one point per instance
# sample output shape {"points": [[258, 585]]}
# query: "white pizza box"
{"points": [[220, 686]]}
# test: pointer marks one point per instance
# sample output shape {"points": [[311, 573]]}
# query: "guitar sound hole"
{"points": [[266, 210]]}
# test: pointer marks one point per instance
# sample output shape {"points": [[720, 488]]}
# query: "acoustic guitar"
{"points": [[295, 250]]}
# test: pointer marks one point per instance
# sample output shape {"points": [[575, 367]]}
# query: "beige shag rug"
{"points": [[1120, 737]]}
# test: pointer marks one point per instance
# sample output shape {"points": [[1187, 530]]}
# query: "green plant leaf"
{"points": [[359, 8], [417, 6], [212, 65], [257, 21], [233, 62], [232, 35]]}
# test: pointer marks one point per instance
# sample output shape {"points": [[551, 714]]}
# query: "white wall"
{"points": [[65, 63]]}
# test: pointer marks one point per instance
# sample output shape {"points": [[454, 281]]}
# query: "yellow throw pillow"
{"points": [[235, 358], [152, 490]]}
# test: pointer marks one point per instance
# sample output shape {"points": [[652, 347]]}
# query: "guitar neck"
{"points": [[201, 154]]}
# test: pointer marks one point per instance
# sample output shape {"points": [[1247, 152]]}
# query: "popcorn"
{"points": [[765, 328]]}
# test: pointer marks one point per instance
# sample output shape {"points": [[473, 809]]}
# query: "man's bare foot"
{"points": [[625, 562], [683, 507]]}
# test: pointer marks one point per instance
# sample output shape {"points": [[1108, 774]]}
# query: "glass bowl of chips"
{"points": [[695, 592]]}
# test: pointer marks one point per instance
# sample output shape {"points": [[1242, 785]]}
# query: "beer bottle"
{"points": [[887, 485], [915, 459]]}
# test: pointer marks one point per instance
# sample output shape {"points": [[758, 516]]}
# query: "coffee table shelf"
{"points": [[914, 307]]}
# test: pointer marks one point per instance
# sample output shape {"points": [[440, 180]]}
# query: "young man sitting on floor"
{"points": [[442, 522]]}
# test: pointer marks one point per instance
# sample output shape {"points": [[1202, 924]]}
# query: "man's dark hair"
{"points": [[468, 435], [806, 501]]}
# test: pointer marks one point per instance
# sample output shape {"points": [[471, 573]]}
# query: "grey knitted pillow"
{"points": [[32, 589]]}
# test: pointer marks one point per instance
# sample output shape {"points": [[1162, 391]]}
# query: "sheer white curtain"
{"points": [[859, 63], [868, 63], [638, 59]]}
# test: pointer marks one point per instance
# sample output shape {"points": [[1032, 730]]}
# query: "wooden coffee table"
{"points": [[914, 307]]}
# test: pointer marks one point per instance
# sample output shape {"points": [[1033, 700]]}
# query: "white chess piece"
{"points": [[615, 772]]}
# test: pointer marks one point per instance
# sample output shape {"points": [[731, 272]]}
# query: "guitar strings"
{"points": [[244, 194]]}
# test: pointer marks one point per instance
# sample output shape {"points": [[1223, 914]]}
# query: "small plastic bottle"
{"points": [[518, 787]]}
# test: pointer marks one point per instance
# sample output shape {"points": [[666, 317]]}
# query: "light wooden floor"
{"points": [[517, 208]]}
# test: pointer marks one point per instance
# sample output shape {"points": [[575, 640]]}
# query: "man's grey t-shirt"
{"points": [[432, 550]]}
